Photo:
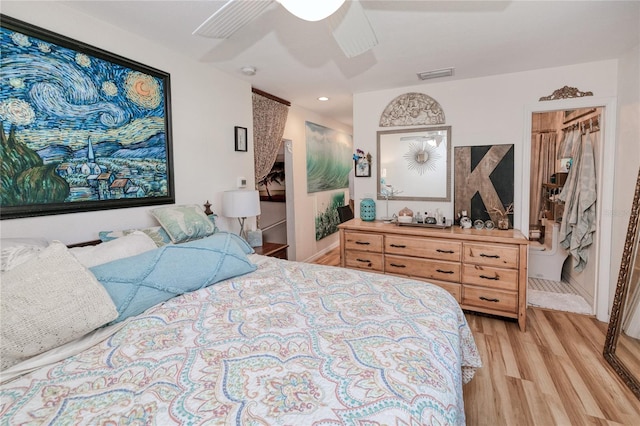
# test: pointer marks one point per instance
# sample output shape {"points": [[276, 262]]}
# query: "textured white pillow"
{"points": [[48, 301], [14, 251], [130, 245]]}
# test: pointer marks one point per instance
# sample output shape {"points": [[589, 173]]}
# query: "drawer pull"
{"points": [[363, 243], [396, 265], [368, 262], [486, 299], [444, 272], [445, 251], [398, 245], [492, 256], [496, 278]]}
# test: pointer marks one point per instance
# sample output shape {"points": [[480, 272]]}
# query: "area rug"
{"points": [[558, 301]]}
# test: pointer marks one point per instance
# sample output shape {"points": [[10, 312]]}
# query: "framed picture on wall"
{"points": [[81, 129], [241, 138], [362, 167]]}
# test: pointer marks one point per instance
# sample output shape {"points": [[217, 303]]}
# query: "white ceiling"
{"points": [[300, 61]]}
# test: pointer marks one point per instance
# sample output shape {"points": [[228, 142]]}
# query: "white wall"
{"points": [[205, 103], [627, 154], [488, 111], [301, 221], [481, 111]]}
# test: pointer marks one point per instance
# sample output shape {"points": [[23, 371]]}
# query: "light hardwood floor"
{"points": [[553, 374]]}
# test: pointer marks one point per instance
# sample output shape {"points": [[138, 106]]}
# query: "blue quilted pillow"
{"points": [[139, 282]]}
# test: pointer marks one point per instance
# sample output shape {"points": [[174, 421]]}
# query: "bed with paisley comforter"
{"points": [[289, 343]]}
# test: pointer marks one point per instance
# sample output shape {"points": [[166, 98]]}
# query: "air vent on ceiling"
{"points": [[427, 75]]}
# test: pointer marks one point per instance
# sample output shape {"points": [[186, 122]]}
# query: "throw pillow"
{"points": [[15, 251], [139, 282], [135, 243], [184, 223], [156, 233], [48, 301]]}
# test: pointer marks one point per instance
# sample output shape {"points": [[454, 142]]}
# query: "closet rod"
{"points": [[593, 121], [590, 111]]}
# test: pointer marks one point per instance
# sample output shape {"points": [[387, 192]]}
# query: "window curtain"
{"points": [[269, 119]]}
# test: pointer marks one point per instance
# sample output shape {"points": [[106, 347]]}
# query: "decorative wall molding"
{"points": [[565, 93], [412, 109]]}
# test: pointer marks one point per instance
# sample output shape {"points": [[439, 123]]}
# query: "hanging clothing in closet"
{"points": [[579, 195], [543, 158]]}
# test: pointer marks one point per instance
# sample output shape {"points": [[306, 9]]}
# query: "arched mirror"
{"points": [[622, 344]]}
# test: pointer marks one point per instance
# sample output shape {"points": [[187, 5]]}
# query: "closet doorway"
{"points": [[566, 165], [605, 278]]}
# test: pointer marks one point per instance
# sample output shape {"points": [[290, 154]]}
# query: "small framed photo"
{"points": [[241, 138], [362, 167]]}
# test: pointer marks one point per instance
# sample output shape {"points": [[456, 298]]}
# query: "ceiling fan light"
{"points": [[311, 10]]}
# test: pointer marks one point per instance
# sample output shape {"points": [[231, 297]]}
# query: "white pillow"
{"points": [[130, 245], [14, 251], [48, 301]]}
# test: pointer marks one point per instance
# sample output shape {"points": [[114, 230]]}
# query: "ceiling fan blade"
{"points": [[352, 29], [232, 16]]}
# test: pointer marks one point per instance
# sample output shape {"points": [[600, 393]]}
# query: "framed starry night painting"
{"points": [[81, 129]]}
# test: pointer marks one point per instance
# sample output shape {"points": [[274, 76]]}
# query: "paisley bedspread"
{"points": [[289, 344]]}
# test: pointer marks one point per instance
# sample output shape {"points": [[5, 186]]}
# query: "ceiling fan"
{"points": [[349, 24]]}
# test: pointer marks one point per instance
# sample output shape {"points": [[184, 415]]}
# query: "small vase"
{"points": [[368, 209], [503, 223]]}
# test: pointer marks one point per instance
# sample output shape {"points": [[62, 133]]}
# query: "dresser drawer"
{"points": [[362, 241], [490, 299], [423, 268], [489, 254], [487, 276], [454, 289], [364, 260], [422, 247]]}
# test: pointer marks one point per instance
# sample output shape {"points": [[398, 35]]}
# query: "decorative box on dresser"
{"points": [[485, 270]]}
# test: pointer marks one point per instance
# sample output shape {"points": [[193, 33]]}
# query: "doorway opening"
{"points": [[566, 166], [273, 201]]}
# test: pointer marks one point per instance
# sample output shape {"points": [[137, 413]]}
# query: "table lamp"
{"points": [[241, 203]]}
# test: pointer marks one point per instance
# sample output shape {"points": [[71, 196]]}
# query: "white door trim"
{"points": [[605, 187]]}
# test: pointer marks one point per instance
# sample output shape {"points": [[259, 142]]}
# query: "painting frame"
{"points": [[113, 126], [362, 167], [329, 158], [240, 138]]}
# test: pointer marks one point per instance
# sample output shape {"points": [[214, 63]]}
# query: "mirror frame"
{"points": [[401, 152], [629, 256]]}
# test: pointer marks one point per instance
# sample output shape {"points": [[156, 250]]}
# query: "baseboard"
{"points": [[321, 253], [576, 285]]}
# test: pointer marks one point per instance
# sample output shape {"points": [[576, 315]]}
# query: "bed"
{"points": [[276, 342]]}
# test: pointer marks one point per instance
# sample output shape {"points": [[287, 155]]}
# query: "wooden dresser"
{"points": [[485, 270]]}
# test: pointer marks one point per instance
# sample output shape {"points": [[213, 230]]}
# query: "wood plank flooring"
{"points": [[554, 374]]}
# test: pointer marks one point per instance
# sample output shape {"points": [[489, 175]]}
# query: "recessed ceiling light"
{"points": [[445, 72], [248, 70], [323, 98]]}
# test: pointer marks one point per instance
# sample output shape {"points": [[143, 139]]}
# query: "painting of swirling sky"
{"points": [[78, 128]]}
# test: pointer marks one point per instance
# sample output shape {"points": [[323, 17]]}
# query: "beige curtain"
{"points": [[269, 118], [543, 165]]}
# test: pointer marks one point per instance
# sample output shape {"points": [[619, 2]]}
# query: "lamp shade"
{"points": [[240, 203]]}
